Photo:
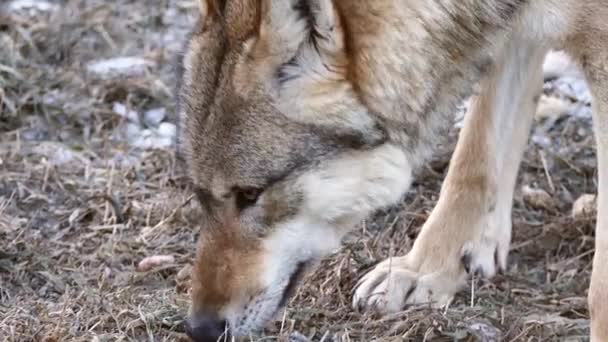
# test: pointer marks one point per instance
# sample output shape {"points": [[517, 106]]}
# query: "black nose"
{"points": [[206, 328]]}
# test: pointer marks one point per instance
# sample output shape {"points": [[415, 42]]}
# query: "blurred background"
{"points": [[97, 230]]}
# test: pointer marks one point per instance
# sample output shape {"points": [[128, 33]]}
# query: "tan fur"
{"points": [[471, 224], [594, 60], [298, 118]]}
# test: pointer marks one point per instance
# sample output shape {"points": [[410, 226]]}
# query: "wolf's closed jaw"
{"points": [[299, 118]]}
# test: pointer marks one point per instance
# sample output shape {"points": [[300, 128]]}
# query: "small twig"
{"points": [[106, 36], [283, 322], [473, 290], [63, 311], [109, 191], [546, 168]]}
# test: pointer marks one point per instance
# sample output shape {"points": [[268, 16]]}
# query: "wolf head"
{"points": [[283, 155]]}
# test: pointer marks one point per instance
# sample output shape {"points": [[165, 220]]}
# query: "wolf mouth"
{"points": [[294, 279]]}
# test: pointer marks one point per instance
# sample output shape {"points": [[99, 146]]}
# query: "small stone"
{"points": [[146, 133], [573, 88], [552, 107], [537, 198], [154, 117], [123, 111], [585, 207], [167, 129], [541, 140], [119, 67], [31, 6], [142, 139], [162, 142], [485, 332], [132, 131], [583, 112], [148, 139], [582, 132]]}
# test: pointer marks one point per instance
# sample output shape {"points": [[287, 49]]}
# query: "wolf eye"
{"points": [[247, 197]]}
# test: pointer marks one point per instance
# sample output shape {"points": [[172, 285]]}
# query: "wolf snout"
{"points": [[206, 328]]}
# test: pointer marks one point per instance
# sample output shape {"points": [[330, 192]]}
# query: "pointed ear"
{"points": [[298, 29], [210, 8], [203, 7], [327, 33], [323, 54], [283, 28]]}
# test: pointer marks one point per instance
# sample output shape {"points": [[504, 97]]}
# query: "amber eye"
{"points": [[247, 197]]}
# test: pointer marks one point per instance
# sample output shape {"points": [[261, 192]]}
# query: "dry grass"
{"points": [[79, 208]]}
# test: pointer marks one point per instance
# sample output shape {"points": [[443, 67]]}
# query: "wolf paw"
{"points": [[429, 274]]}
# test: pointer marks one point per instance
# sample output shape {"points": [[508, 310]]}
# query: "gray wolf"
{"points": [[298, 118]]}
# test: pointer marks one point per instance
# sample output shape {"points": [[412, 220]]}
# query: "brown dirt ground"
{"points": [[72, 230]]}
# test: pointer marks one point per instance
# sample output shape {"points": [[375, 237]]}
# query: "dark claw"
{"points": [[408, 294], [466, 262], [500, 269]]}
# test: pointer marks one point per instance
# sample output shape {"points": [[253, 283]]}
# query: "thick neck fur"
{"points": [[413, 67]]}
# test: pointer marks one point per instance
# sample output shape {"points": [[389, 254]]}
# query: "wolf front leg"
{"points": [[596, 70], [469, 230], [598, 292]]}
